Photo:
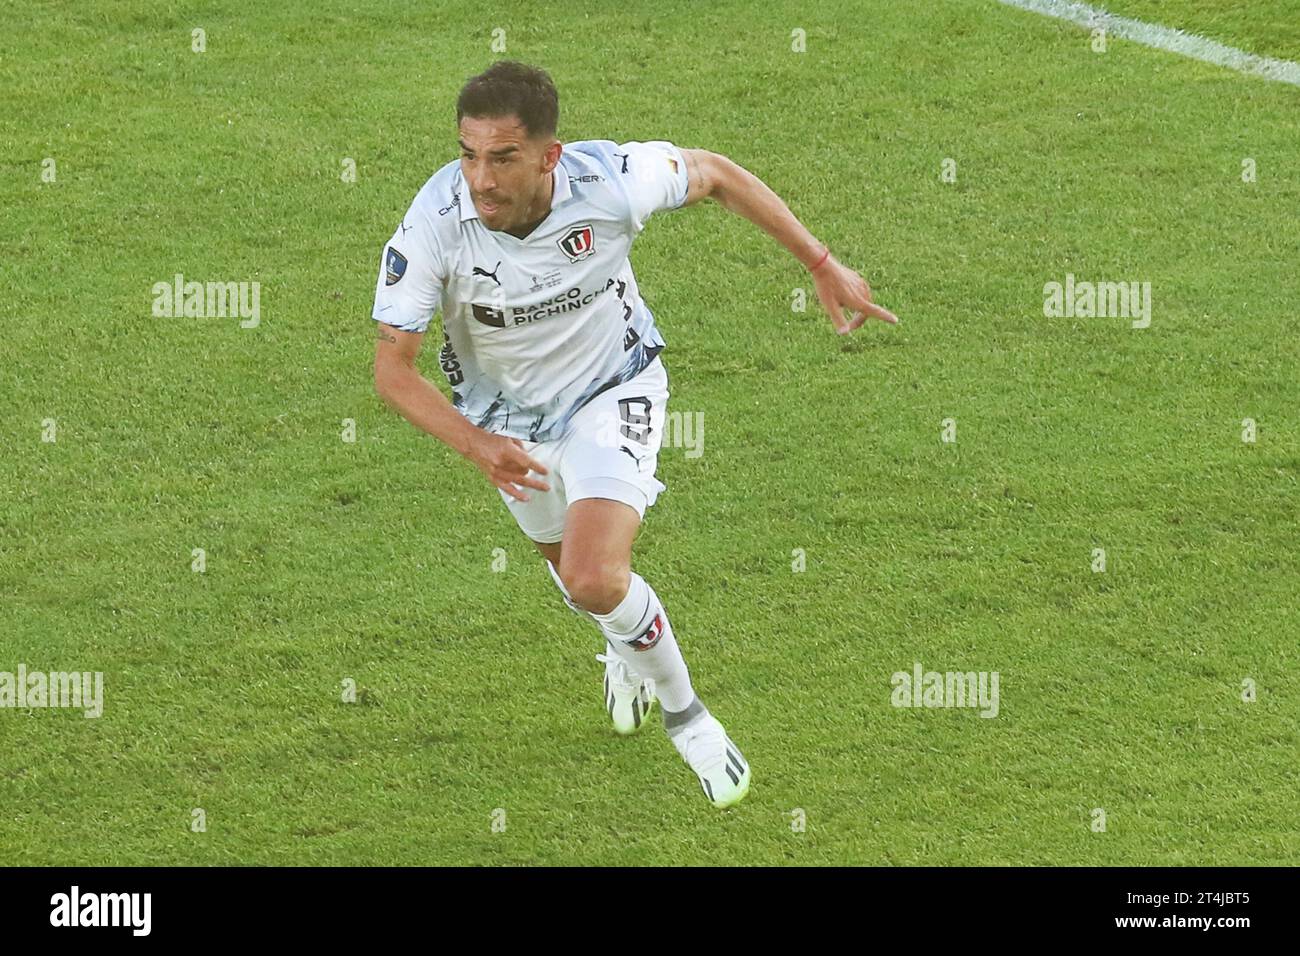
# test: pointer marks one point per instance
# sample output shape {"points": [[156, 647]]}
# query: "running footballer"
{"points": [[558, 388]]}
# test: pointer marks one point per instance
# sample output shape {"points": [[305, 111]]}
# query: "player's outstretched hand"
{"points": [[506, 464], [839, 288]]}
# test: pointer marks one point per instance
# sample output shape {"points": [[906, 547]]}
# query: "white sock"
{"points": [[640, 633]]}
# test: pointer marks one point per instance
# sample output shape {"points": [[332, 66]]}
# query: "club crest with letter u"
{"points": [[650, 636], [578, 243]]}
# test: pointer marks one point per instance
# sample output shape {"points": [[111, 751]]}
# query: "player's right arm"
{"points": [[408, 293], [400, 384], [404, 389]]}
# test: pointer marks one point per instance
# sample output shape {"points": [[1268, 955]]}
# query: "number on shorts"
{"points": [[636, 425]]}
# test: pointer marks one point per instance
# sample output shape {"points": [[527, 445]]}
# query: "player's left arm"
{"points": [[710, 175]]}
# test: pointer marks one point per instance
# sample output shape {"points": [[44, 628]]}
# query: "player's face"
{"points": [[506, 169]]}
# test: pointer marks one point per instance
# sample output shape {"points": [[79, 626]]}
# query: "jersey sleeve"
{"points": [[654, 177], [411, 277]]}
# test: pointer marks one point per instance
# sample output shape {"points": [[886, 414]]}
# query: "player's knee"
{"points": [[597, 589]]}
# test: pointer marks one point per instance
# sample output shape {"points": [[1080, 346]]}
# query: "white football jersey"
{"points": [[534, 327]]}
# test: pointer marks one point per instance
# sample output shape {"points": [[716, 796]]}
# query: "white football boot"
{"points": [[716, 760], [628, 697]]}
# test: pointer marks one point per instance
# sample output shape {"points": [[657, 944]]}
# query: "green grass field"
{"points": [[372, 561]]}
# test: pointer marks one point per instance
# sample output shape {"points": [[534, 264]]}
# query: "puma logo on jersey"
{"points": [[491, 275]]}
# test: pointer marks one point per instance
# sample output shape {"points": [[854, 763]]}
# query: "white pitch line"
{"points": [[1164, 38]]}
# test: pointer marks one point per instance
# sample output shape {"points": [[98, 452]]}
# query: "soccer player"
{"points": [[558, 391]]}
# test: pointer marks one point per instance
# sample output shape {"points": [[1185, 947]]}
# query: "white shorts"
{"points": [[609, 451]]}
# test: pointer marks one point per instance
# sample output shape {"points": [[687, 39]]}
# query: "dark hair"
{"points": [[507, 88]]}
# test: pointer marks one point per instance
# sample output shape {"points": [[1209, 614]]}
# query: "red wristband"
{"points": [[825, 256]]}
